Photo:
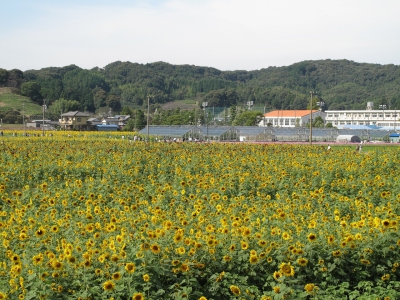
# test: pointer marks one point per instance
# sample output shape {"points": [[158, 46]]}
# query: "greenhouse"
{"points": [[260, 134], [173, 132], [254, 133], [219, 133]]}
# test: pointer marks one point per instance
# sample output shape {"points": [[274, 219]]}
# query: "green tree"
{"points": [[126, 111], [15, 78], [62, 106], [114, 102], [248, 118], [99, 97], [137, 121], [3, 77], [318, 122], [31, 89], [11, 117]]}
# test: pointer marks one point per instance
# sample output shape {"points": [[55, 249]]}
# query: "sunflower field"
{"points": [[96, 216]]}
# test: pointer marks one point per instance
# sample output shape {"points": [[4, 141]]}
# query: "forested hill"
{"points": [[341, 84]]}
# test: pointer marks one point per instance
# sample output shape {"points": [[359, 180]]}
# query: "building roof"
{"points": [[289, 113], [75, 114]]}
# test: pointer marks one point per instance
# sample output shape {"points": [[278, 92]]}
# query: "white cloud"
{"points": [[225, 34]]}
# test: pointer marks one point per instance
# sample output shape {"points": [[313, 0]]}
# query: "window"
{"points": [[374, 115], [78, 119], [286, 121]]}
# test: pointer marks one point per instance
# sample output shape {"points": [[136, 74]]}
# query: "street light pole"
{"points": [[44, 107], [205, 104], [311, 93]]}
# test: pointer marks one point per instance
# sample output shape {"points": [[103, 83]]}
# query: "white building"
{"points": [[370, 116], [290, 118]]}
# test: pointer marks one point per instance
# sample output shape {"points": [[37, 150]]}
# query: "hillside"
{"points": [[341, 84], [10, 100]]}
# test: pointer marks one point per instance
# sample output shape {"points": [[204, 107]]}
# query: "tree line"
{"points": [[341, 84]]}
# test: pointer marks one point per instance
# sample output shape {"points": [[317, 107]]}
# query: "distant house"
{"points": [[38, 123], [75, 120], [46, 124], [290, 118], [119, 120]]}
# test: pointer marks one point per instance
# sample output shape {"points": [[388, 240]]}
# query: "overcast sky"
{"points": [[224, 34]]}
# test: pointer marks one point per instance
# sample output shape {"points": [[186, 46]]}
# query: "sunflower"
{"points": [[57, 265], [72, 259], [386, 223], [98, 272], [244, 245], [312, 237], [253, 259], [365, 262], [175, 262], [309, 287], [37, 259], [235, 289], [40, 232], [130, 268], [178, 238], [286, 269], [277, 275], [285, 236], [385, 277], [302, 261], [108, 285], [116, 276], [181, 250], [146, 277], [227, 258], [277, 289], [184, 268], [336, 253], [2, 296], [138, 296], [155, 249]]}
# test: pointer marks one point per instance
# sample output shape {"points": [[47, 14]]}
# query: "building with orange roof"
{"points": [[290, 118]]}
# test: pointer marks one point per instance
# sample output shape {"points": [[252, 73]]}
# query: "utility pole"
{"points": [[311, 93], [205, 104], [148, 114], [44, 107], [23, 115]]}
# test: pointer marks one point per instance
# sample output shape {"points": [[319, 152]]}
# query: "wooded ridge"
{"points": [[341, 84]]}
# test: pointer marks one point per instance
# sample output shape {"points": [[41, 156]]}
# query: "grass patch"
{"points": [[12, 101], [186, 104]]}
